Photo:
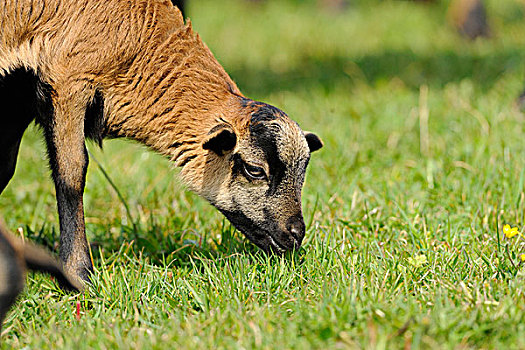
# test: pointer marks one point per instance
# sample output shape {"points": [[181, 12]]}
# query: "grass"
{"points": [[424, 156]]}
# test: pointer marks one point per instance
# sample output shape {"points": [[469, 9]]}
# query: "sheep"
{"points": [[121, 68], [15, 259]]}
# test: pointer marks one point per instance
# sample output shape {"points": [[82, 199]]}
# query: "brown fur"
{"points": [[124, 68], [15, 258]]}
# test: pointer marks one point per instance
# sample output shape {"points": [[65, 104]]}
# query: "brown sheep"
{"points": [[15, 258], [121, 68]]}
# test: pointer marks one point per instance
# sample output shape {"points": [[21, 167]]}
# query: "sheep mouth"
{"points": [[261, 237], [277, 247], [271, 244], [280, 248], [268, 243]]}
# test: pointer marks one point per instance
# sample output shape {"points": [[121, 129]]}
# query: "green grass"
{"points": [[384, 191]]}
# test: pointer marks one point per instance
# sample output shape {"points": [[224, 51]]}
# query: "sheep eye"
{"points": [[254, 172]]}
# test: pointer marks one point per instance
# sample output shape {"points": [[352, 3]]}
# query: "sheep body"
{"points": [[121, 68]]}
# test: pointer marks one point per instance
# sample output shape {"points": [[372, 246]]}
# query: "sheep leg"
{"points": [[69, 161], [16, 91], [8, 155]]}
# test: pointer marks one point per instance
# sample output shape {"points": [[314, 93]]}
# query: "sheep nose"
{"points": [[296, 228]]}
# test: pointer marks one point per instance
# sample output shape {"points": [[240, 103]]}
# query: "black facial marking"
{"points": [[260, 236], [246, 226], [265, 112], [236, 166], [264, 138], [283, 239], [261, 111]]}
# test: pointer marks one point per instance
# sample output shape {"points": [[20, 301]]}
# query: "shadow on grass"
{"points": [[411, 68], [179, 248]]}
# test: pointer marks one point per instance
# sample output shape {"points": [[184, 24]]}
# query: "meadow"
{"points": [[423, 165]]}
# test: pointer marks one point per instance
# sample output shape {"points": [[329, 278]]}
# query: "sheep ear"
{"points": [[314, 142], [221, 140]]}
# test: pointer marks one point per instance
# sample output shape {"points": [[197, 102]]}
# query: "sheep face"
{"points": [[254, 175]]}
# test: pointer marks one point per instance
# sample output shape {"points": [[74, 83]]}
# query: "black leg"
{"points": [[69, 160], [8, 155], [17, 94]]}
